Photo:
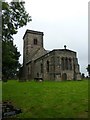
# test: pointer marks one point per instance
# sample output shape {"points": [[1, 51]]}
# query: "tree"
{"points": [[88, 69], [14, 16], [10, 60]]}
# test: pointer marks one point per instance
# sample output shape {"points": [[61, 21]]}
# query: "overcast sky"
{"points": [[64, 22]]}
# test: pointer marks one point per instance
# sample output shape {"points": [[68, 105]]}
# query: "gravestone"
{"points": [[9, 110]]}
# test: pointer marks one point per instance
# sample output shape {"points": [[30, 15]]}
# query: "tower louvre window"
{"points": [[35, 41]]}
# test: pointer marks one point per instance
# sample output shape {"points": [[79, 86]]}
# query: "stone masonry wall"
{"points": [[58, 65], [55, 66]]}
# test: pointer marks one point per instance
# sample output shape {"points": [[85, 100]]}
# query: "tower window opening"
{"points": [[35, 41]]}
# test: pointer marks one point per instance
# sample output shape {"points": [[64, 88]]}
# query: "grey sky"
{"points": [[63, 22]]}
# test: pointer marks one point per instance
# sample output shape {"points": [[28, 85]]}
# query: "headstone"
{"points": [[9, 110]]}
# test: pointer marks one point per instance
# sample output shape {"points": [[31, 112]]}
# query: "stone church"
{"points": [[58, 64]]}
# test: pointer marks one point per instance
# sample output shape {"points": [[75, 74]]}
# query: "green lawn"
{"points": [[48, 99]]}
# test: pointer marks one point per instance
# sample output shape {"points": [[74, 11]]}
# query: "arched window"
{"points": [[70, 64], [62, 63], [66, 63], [41, 68], [35, 41], [47, 66]]}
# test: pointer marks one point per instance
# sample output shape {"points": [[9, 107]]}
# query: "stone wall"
{"points": [[55, 66], [30, 50], [41, 63], [58, 65]]}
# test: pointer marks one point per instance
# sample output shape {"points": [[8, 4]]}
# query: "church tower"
{"points": [[32, 42]]}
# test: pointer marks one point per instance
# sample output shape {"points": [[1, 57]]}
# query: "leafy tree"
{"points": [[14, 16], [10, 60], [88, 69]]}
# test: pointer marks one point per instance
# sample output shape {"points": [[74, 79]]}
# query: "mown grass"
{"points": [[48, 99]]}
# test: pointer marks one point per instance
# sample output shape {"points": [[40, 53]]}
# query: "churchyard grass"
{"points": [[67, 99]]}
